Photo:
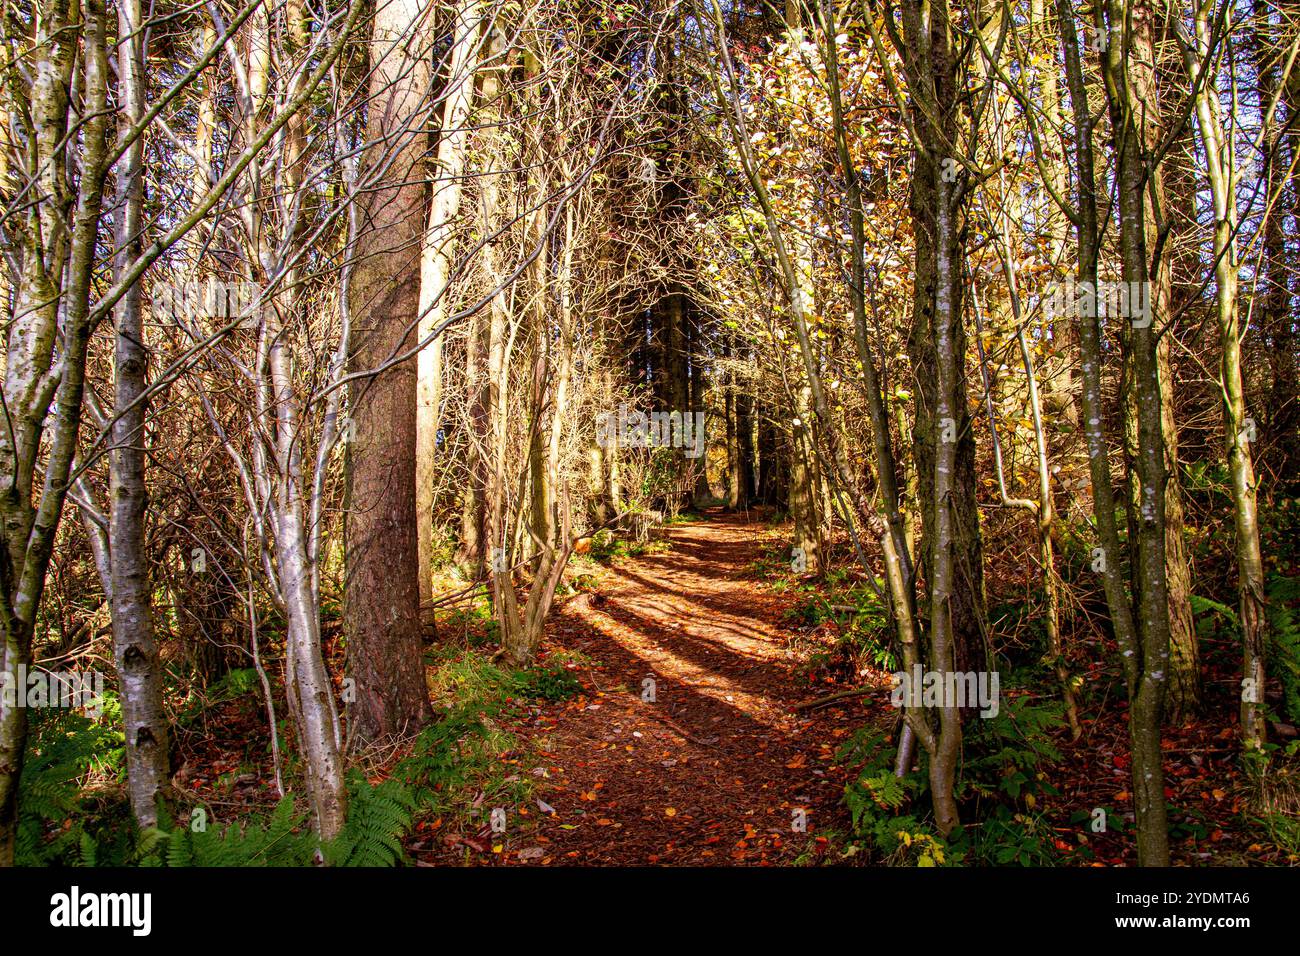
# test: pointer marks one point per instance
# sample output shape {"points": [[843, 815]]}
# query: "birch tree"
{"points": [[54, 223]]}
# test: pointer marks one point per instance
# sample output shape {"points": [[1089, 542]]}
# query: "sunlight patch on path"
{"points": [[701, 680]]}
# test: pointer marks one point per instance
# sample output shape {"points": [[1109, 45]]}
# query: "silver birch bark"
{"points": [[135, 649], [435, 270]]}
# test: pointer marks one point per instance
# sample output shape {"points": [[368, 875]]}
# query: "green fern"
{"points": [[874, 796], [87, 848], [1285, 640], [62, 747], [1200, 605], [379, 816], [438, 762], [280, 839]]}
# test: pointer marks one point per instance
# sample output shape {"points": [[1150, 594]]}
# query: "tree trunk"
{"points": [[744, 438], [435, 272], [1278, 403], [937, 191], [383, 594], [1126, 69], [1221, 171], [767, 461], [61, 233], [135, 649], [807, 554]]}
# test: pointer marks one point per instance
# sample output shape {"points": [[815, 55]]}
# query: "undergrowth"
{"points": [[74, 812], [999, 785]]}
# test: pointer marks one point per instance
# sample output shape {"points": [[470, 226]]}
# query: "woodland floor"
{"points": [[715, 768]]}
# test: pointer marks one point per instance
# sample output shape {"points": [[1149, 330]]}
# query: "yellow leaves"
{"points": [[929, 850], [670, 811]]}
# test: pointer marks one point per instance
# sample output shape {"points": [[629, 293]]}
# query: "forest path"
{"points": [[716, 768]]}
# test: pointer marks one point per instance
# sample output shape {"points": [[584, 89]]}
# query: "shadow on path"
{"points": [[686, 750]]}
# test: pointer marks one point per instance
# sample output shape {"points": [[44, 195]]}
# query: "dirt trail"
{"points": [[715, 768]]}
